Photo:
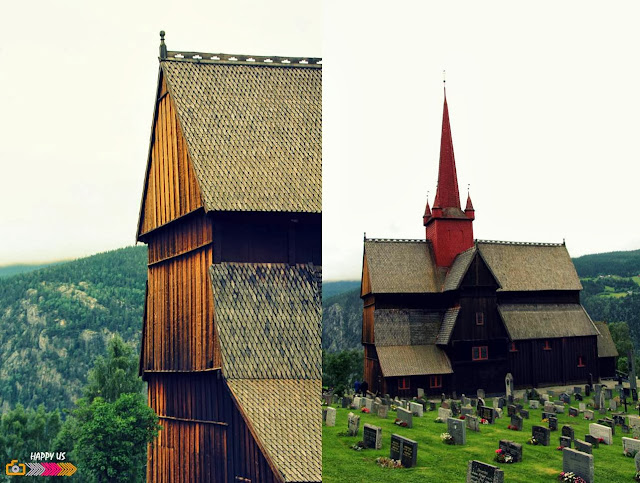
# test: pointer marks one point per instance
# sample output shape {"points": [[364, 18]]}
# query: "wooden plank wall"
{"points": [[186, 234], [368, 335], [171, 189], [179, 331]]}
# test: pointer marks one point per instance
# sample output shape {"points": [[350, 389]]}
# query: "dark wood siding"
{"points": [[372, 372], [368, 335]]}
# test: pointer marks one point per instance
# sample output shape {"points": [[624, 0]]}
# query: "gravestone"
{"points": [[587, 390], [549, 407], [544, 398], [546, 415], [480, 403], [573, 412], [568, 431], [356, 402], [608, 393], [374, 409], [416, 409], [582, 407], [473, 423], [508, 385], [526, 396], [577, 389], [345, 402], [625, 429], [588, 415], [551, 393], [596, 397], [458, 430], [565, 398], [455, 408], [480, 393], [353, 424], [444, 413], [383, 411], [534, 404], [608, 423], [372, 436], [479, 472], [524, 413], [331, 416], [630, 445], [512, 449], [565, 442], [404, 449], [634, 420], [579, 463], [637, 461], [583, 446], [516, 421], [406, 416], [420, 392], [498, 412], [601, 402], [511, 410], [600, 431], [559, 408], [502, 402], [368, 403], [618, 419], [541, 434], [577, 397], [466, 410], [445, 405], [432, 405], [327, 399], [613, 405], [592, 440], [553, 424], [464, 400], [486, 413]]}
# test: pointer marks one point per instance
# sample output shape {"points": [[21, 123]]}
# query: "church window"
{"points": [[435, 381], [547, 346], [479, 318], [580, 362], [403, 383], [480, 353], [512, 347]]}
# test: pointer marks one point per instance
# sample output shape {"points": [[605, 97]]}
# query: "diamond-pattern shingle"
{"points": [[405, 326], [254, 133], [546, 321]]}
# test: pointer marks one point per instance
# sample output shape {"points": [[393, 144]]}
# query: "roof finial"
{"points": [[365, 236], [163, 47], [468, 189], [444, 82]]}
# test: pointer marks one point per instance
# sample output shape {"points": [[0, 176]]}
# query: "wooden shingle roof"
{"points": [[413, 360], [253, 132], [405, 326], [530, 266], [401, 266], [606, 346], [459, 269], [546, 321], [448, 323]]}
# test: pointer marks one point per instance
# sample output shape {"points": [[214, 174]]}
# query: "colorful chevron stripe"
{"points": [[50, 469]]}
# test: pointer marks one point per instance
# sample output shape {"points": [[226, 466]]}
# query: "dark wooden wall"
{"points": [[607, 366]]}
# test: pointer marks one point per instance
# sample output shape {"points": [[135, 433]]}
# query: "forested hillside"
{"points": [[56, 320]]}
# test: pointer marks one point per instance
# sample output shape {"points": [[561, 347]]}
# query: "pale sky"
{"points": [[543, 99]]}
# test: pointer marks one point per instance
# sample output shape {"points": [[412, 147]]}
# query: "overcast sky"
{"points": [[543, 99]]}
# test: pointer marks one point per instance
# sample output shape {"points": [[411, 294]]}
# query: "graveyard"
{"points": [[434, 460]]}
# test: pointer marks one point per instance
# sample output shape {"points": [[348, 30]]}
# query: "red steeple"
{"points": [[449, 229], [447, 195]]}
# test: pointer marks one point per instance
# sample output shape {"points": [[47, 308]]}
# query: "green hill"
{"points": [[623, 264], [11, 270], [56, 320]]}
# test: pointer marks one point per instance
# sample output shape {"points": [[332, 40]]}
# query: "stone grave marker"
{"points": [[637, 461], [600, 431], [486, 413], [345, 402], [553, 424], [466, 410], [432, 405], [618, 419], [383, 411], [582, 407], [524, 413], [541, 434], [573, 412], [613, 405], [480, 403], [592, 440], [498, 412], [458, 430], [517, 422], [356, 402], [559, 408], [577, 390], [583, 446], [416, 409], [588, 414], [502, 402], [480, 394], [473, 423], [579, 463], [625, 429], [420, 392], [577, 397], [546, 415], [634, 420], [455, 408], [512, 449], [445, 405], [608, 393], [353, 424], [327, 398], [526, 396], [508, 385], [596, 397], [534, 404], [609, 423], [565, 442], [444, 413], [511, 410], [549, 407], [630, 445], [544, 397], [404, 449], [565, 398], [374, 409], [331, 416], [550, 393], [479, 472], [601, 403], [465, 401], [587, 390], [372, 436], [406, 416], [568, 431]]}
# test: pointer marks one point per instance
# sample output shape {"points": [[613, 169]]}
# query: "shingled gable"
{"points": [[252, 133], [268, 317]]}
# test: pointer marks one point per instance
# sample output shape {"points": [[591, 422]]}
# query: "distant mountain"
{"points": [[330, 289], [342, 320], [56, 320], [623, 264], [11, 270]]}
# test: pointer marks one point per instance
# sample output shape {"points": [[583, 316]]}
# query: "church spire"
{"points": [[447, 194]]}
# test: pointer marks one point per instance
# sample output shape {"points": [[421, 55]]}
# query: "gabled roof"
{"points": [[253, 130], [448, 323], [546, 321], [405, 326], [401, 266], [268, 319], [606, 346], [413, 360], [530, 266], [459, 269]]}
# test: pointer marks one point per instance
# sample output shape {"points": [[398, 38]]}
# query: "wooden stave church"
{"points": [[450, 314], [231, 212]]}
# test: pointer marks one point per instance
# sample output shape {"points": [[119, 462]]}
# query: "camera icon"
{"points": [[15, 469]]}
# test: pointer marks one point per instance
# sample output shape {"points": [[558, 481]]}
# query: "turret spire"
{"points": [[447, 194]]}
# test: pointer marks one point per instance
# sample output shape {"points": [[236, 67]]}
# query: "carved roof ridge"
{"points": [[242, 59]]}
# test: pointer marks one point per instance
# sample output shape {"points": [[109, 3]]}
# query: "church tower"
{"points": [[449, 229]]}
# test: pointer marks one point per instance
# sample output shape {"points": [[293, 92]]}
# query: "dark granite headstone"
{"points": [[618, 419], [579, 463], [634, 394], [553, 424], [577, 389], [541, 434], [524, 413], [455, 408], [565, 442], [502, 402], [578, 397], [592, 440], [583, 446], [346, 402], [511, 410], [568, 431], [625, 429], [511, 448], [516, 421], [573, 412], [479, 472], [546, 415], [372, 436], [486, 413], [432, 405], [608, 393], [480, 402], [404, 449], [565, 398], [587, 390]]}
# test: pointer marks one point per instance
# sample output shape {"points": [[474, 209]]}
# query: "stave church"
{"points": [[449, 313]]}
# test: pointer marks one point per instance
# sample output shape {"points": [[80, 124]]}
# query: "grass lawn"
{"points": [[438, 462]]}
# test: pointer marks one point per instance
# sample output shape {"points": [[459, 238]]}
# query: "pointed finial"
{"points": [[163, 47], [365, 236], [444, 76], [468, 189], [427, 197]]}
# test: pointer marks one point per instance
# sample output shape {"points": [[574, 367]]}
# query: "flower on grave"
{"points": [[600, 440], [532, 441], [394, 407], [637, 476], [439, 420], [365, 410], [385, 462], [560, 448], [499, 451], [545, 420], [359, 446], [447, 438], [462, 417], [484, 421]]}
